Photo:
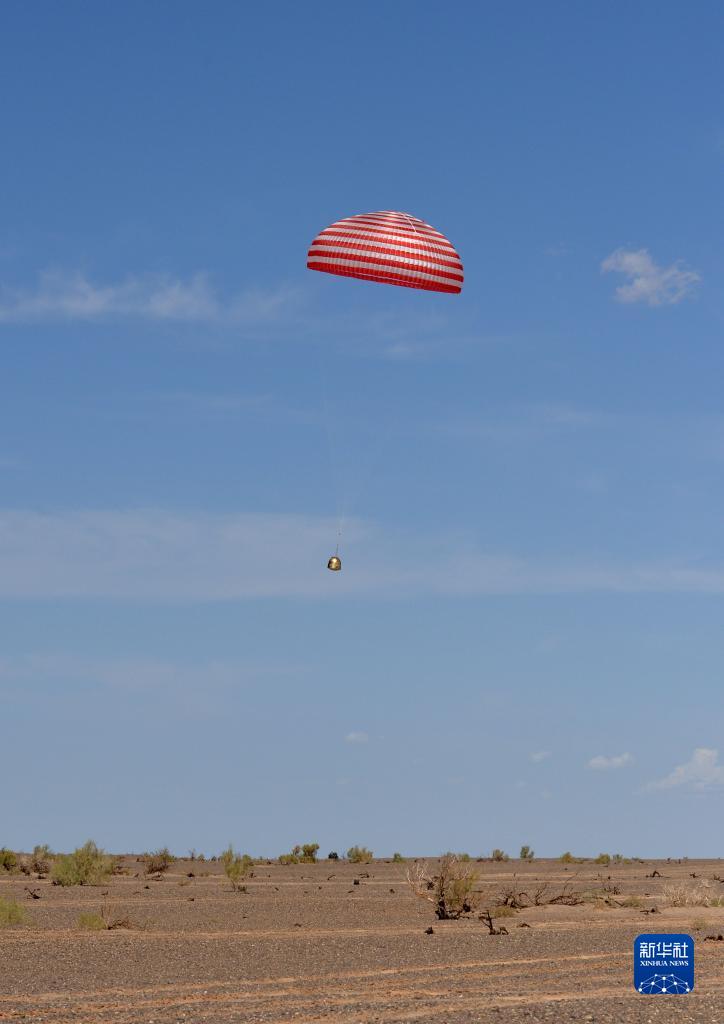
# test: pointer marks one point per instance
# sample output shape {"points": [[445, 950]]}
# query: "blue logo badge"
{"points": [[664, 964]]}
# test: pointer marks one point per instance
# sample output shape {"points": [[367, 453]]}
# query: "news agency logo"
{"points": [[664, 964]]}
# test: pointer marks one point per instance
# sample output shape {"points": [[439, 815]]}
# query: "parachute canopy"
{"points": [[388, 247]]}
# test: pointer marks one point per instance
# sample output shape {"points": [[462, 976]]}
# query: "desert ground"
{"points": [[335, 941]]}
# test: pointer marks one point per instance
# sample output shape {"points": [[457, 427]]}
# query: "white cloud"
{"points": [[647, 281], [356, 737], [59, 295], [603, 763], [539, 755], [186, 686], [701, 771]]}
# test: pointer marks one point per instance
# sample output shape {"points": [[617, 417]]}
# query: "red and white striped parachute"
{"points": [[389, 247]]}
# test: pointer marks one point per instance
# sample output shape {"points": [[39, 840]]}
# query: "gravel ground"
{"points": [[306, 944]]}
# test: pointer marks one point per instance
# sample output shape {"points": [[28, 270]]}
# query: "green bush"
{"points": [[306, 854], [397, 858], [88, 865], [359, 855], [8, 860], [236, 866], [11, 912], [603, 858], [526, 853], [499, 855]]}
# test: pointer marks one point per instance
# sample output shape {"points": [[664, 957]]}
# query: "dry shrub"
{"points": [[41, 859], [11, 912], [8, 860], [699, 895], [106, 921], [359, 855], [518, 899], [158, 861], [632, 903], [487, 918], [451, 890]]}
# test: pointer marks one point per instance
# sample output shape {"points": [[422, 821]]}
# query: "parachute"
{"points": [[388, 247]]}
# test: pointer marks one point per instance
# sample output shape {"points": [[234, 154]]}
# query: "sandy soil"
{"points": [[306, 944]]}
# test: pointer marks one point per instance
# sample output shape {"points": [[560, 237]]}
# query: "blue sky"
{"points": [[525, 643]]}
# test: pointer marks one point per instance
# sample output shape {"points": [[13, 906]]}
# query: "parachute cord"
{"points": [[333, 459], [412, 225], [424, 240]]}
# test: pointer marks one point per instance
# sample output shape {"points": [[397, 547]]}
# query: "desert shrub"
{"points": [[158, 861], [503, 910], [41, 859], [359, 855], [526, 853], [92, 922], [8, 860], [632, 903], [397, 858], [333, 855], [236, 866], [24, 864], [301, 854], [488, 918], [568, 858], [451, 890], [515, 898], [105, 921], [699, 895], [607, 886], [11, 912], [603, 858], [88, 865], [499, 855]]}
